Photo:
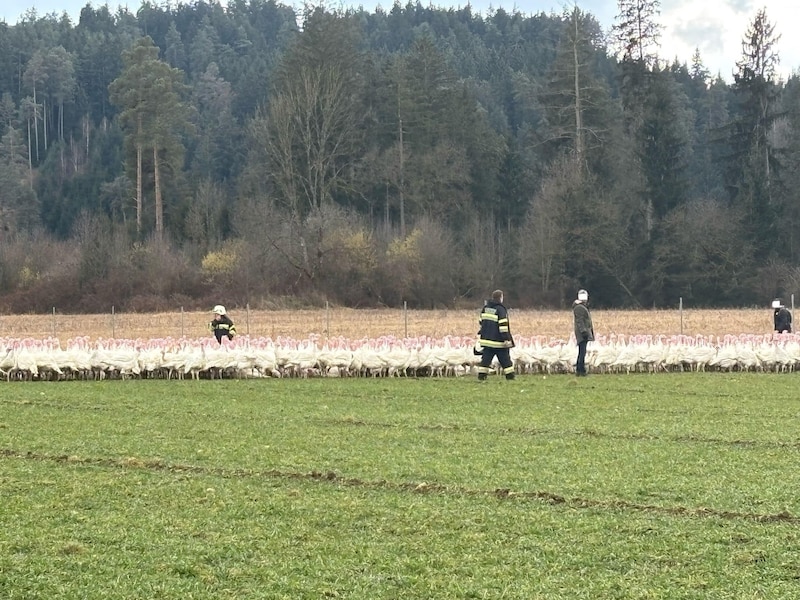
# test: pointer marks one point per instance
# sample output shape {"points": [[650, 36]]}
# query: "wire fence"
{"points": [[336, 322], [328, 322]]}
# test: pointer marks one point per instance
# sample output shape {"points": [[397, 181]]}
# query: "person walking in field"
{"points": [[782, 317], [495, 337], [584, 330], [222, 326]]}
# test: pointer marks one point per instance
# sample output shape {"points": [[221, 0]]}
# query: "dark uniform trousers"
{"points": [[503, 357]]}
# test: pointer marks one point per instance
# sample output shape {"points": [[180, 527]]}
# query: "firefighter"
{"points": [[222, 326], [495, 337], [782, 317]]}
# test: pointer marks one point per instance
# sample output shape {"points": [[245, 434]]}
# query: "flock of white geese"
{"points": [[315, 356]]}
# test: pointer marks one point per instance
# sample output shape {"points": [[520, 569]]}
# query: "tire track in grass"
{"points": [[594, 433], [64, 405], [331, 477]]}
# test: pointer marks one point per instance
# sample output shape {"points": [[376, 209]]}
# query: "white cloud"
{"points": [[714, 31], [717, 29]]}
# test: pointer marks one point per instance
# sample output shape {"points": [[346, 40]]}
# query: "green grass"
{"points": [[638, 486]]}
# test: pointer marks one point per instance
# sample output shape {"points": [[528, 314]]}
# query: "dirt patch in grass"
{"points": [[371, 323]]}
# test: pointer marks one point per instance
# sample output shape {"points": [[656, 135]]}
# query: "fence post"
{"points": [[405, 317], [327, 319], [680, 308], [113, 323], [247, 318], [182, 334], [54, 321]]}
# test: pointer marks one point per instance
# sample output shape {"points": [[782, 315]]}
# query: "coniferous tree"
{"points": [[34, 77], [153, 117], [574, 96], [447, 149], [19, 205], [637, 30], [637, 33], [664, 144], [751, 176], [790, 222], [60, 84], [454, 120]]}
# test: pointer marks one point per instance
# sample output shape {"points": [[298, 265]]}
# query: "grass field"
{"points": [[638, 486], [358, 323]]}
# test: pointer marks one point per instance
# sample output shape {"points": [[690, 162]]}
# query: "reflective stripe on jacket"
{"points": [[223, 326], [495, 330]]}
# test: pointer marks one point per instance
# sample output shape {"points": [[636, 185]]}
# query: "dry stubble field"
{"points": [[372, 323]]}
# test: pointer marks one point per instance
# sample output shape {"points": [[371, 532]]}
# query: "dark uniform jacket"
{"points": [[222, 327], [494, 326], [783, 320]]}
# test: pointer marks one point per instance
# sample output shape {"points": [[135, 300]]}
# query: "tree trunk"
{"points": [[402, 184], [138, 188], [30, 156], [159, 203], [579, 148], [36, 123], [44, 122]]}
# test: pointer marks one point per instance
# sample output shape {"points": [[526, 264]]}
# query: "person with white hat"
{"points": [[584, 331], [782, 317], [222, 326]]}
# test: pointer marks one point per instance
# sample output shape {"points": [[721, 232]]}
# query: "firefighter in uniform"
{"points": [[781, 317], [221, 326], [495, 337]]}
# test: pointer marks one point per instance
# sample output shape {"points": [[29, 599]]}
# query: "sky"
{"points": [[715, 27]]}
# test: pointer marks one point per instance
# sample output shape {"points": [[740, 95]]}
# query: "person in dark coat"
{"points": [[781, 318], [584, 330], [495, 337], [221, 326]]}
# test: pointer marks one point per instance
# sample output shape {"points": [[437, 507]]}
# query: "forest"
{"points": [[196, 154]]}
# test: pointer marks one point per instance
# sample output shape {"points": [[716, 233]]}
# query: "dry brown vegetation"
{"points": [[361, 323]]}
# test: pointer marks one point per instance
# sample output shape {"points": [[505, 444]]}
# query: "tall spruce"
{"points": [[753, 161], [636, 32], [790, 234], [664, 144], [451, 156], [153, 117], [19, 205], [574, 97]]}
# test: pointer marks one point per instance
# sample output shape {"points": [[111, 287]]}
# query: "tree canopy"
{"points": [[194, 153]]}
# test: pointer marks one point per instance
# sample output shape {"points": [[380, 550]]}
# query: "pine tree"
{"points": [[753, 159], [637, 30], [153, 117]]}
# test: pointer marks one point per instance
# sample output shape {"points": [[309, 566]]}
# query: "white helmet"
{"points": [[583, 295], [218, 309]]}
